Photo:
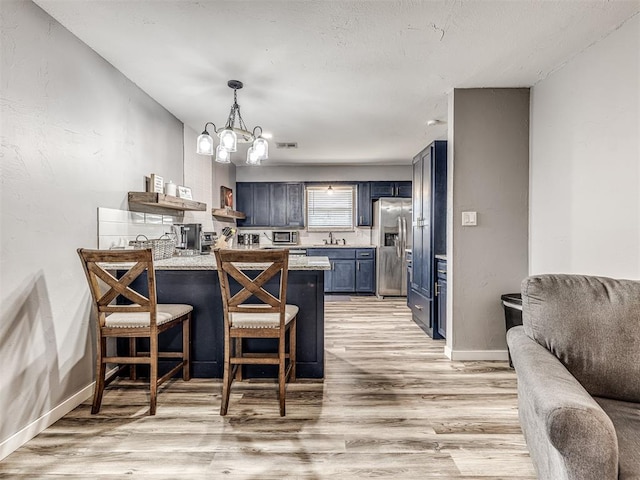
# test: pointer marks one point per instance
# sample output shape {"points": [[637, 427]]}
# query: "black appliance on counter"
{"points": [[248, 239], [189, 236]]}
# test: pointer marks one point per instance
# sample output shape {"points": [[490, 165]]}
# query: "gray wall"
{"points": [[488, 162], [585, 161], [76, 135]]}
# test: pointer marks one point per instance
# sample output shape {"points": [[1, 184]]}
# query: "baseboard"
{"points": [[470, 355], [18, 439]]}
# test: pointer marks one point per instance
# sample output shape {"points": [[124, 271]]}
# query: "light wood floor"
{"points": [[391, 406]]}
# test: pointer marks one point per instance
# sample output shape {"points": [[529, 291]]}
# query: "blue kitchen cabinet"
{"points": [[265, 204], [390, 189], [429, 232], [278, 200], [343, 278], [365, 215], [295, 205], [248, 196], [365, 270], [441, 298], [252, 198], [352, 269]]}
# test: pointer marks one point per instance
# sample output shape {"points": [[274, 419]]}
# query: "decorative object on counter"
{"points": [[156, 183], [226, 239], [139, 316], [171, 189], [162, 247], [271, 317], [226, 198], [233, 132], [184, 192]]}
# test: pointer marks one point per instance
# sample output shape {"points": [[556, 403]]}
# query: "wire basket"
{"points": [[161, 247]]}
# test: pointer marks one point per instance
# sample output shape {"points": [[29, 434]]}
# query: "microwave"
{"points": [[285, 237]]}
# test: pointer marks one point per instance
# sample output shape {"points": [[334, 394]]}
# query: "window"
{"points": [[330, 209]]}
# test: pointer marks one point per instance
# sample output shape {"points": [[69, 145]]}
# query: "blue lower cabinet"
{"points": [[365, 276], [352, 269], [344, 276]]}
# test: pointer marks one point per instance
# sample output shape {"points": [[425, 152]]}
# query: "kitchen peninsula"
{"points": [[194, 280]]}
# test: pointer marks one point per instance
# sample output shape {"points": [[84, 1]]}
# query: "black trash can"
{"points": [[512, 303]]}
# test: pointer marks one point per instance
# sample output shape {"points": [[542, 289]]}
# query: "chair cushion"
{"points": [[165, 313], [261, 320], [626, 420], [592, 324]]}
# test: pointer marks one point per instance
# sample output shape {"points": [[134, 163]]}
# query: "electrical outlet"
{"points": [[469, 219]]}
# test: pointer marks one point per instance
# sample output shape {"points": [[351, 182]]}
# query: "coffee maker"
{"points": [[189, 236]]}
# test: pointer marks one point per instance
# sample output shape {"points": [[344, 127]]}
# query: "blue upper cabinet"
{"points": [[364, 205], [295, 204], [252, 198], [271, 204], [390, 189]]}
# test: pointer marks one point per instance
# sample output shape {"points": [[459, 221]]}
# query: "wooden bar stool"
{"points": [[142, 318], [272, 318]]}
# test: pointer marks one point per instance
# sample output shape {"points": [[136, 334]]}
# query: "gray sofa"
{"points": [[577, 359]]}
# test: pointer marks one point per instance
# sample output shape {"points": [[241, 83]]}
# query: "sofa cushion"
{"points": [[626, 420], [592, 324]]}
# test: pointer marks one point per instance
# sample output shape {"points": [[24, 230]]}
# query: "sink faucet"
{"points": [[330, 238]]}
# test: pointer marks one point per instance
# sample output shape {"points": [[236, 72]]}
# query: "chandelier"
{"points": [[233, 132]]}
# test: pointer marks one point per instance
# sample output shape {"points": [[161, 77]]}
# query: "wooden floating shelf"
{"points": [[224, 213], [165, 201]]}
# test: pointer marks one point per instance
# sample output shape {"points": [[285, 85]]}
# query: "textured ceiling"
{"points": [[351, 82]]}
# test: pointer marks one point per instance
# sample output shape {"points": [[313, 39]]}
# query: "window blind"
{"points": [[330, 211]]}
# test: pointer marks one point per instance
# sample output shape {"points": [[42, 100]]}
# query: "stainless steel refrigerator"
{"points": [[390, 234]]}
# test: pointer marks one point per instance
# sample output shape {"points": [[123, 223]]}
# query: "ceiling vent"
{"points": [[286, 144]]}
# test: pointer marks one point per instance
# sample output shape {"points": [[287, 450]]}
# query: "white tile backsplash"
{"points": [[117, 227]]}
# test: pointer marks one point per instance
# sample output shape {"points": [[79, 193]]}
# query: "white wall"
{"points": [[328, 173], [488, 169], [585, 162], [76, 135]]}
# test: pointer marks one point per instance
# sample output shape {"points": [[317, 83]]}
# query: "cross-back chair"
{"points": [[272, 318], [143, 317]]}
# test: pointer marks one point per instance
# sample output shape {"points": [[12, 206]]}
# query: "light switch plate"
{"points": [[469, 219]]}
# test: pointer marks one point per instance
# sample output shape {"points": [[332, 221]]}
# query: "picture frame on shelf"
{"points": [[226, 198], [184, 192], [156, 183]]}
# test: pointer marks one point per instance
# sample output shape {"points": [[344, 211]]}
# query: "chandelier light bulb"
{"points": [[222, 155], [261, 147], [205, 144], [252, 157], [229, 140]]}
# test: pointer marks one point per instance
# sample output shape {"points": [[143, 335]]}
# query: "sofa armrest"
{"points": [[568, 434]]}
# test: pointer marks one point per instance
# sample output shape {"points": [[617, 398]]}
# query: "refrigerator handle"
{"points": [[399, 240], [404, 234]]}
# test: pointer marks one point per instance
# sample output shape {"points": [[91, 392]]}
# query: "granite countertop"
{"points": [[208, 262], [321, 245], [300, 247]]}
